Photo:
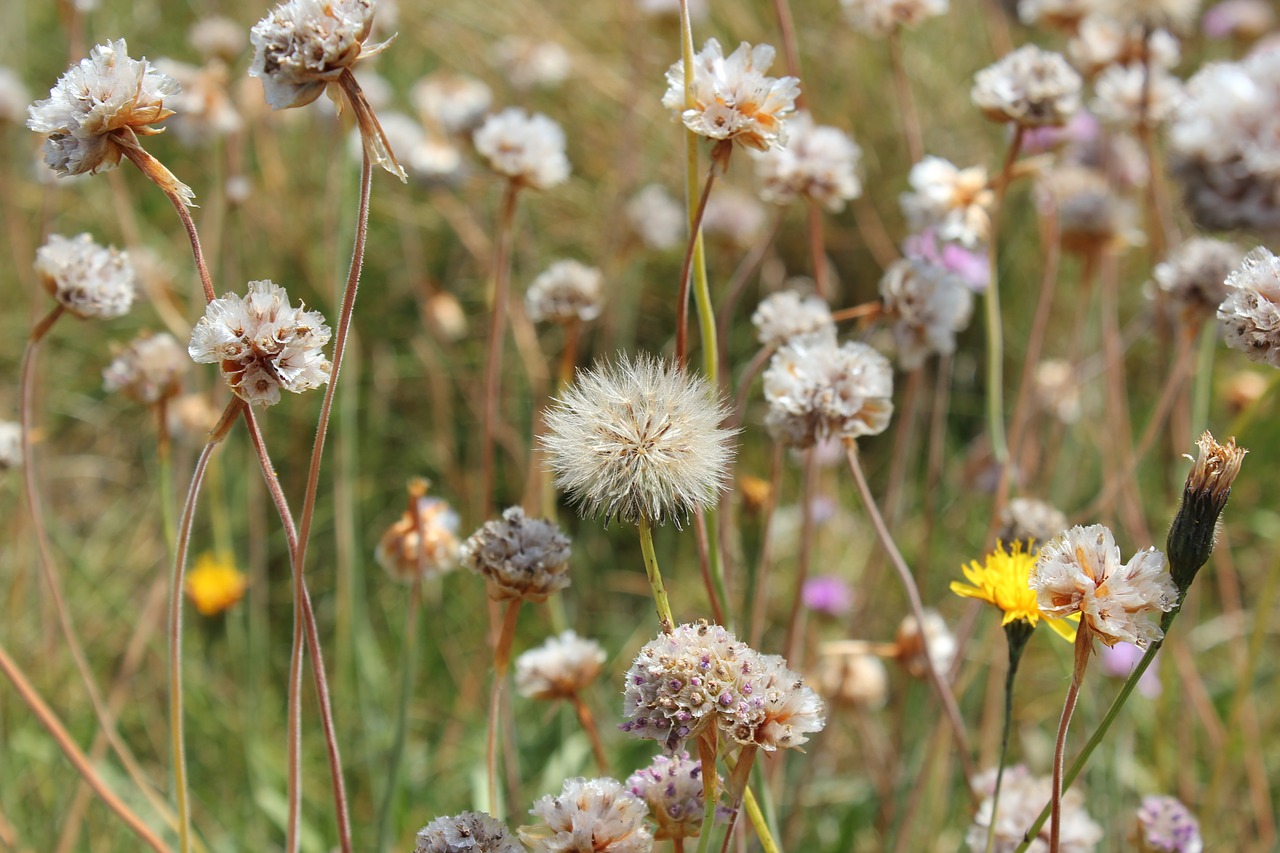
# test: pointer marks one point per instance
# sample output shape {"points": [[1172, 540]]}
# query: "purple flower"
{"points": [[827, 594], [1121, 659], [969, 265]]}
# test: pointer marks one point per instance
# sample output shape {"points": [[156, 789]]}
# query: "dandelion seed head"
{"points": [[88, 280], [469, 832], [148, 370], [787, 314], [589, 816], [671, 786], [302, 46], [818, 163], [526, 148], [560, 668], [520, 557], [566, 292]]}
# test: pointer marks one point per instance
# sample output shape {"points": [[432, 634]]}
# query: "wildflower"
{"points": [[911, 644], [528, 149], [927, 306], [1127, 95], [262, 343], [469, 832], [672, 788], [1101, 41], [639, 439], [956, 203], [10, 445], [217, 37], [657, 217], [1058, 14], [732, 98], [451, 103], [1079, 571], [818, 163], [1021, 798], [86, 279], [204, 107], [99, 108], [191, 417], [424, 542], [520, 557], [784, 315], [970, 265], [1194, 276], [1238, 19], [567, 292], [1204, 496], [790, 710], [1120, 660], [1030, 87], [1165, 825], [214, 585], [829, 594], [560, 668], [1091, 214], [880, 18], [1250, 314], [1002, 581], [148, 370], [816, 389], [589, 816], [13, 97], [302, 46], [734, 215], [1031, 520], [529, 64], [857, 680]]}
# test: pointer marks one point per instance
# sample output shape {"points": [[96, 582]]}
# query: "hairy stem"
{"points": [[1084, 648]]}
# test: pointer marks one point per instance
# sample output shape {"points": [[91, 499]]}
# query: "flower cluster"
{"points": [[90, 281], [927, 305], [469, 832], [1250, 314], [787, 314], [423, 543], [1021, 798], [148, 370], [818, 163], [1030, 87], [589, 814], [304, 45], [672, 788], [567, 292], [520, 557], [1165, 825], [528, 149], [1193, 278], [560, 668], [880, 18], [956, 203]]}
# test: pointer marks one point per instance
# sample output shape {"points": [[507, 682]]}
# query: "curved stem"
{"points": [[665, 620], [1084, 648], [493, 352], [501, 657], [995, 332], [686, 268]]}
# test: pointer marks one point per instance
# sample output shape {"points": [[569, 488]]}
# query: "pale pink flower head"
{"points": [[827, 594], [1120, 660], [1079, 571], [955, 203], [528, 149], [733, 98], [1165, 825], [596, 815]]}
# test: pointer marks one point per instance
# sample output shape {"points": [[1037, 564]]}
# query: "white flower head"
{"points": [[519, 557], [452, 103], [13, 97], [1030, 87], [566, 292], [1079, 571], [657, 217], [560, 668], [818, 163], [1100, 41], [1194, 276], [790, 712], [526, 148], [1024, 519], [1250, 314], [204, 108], [469, 832], [148, 370], [528, 63], [262, 343], [672, 788], [880, 18], [956, 203], [787, 314], [90, 281], [1060, 14], [216, 37], [928, 305], [596, 815], [857, 680], [1122, 91], [1021, 798], [10, 445], [98, 107], [732, 98], [304, 45], [818, 389]]}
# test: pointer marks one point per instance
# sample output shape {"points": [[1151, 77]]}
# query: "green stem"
{"points": [[995, 332], [665, 619], [761, 826], [710, 794], [408, 660], [1017, 644]]}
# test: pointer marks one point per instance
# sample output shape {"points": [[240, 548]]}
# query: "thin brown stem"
{"points": [[790, 48], [1084, 648], [906, 103], [817, 251], [686, 269], [501, 658], [493, 353], [588, 721], [749, 374], [865, 311]]}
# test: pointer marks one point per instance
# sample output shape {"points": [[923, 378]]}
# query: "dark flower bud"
{"points": [[1192, 534]]}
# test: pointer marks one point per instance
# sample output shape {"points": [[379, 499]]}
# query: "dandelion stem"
{"points": [[1084, 648], [588, 721], [493, 353], [665, 620], [501, 657], [408, 663]]}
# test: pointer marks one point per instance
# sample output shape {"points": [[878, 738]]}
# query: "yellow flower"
{"points": [[1003, 581], [214, 585]]}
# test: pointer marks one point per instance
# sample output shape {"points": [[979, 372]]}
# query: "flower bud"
{"points": [[1192, 534]]}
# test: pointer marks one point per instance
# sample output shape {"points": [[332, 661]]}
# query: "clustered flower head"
{"points": [[450, 102], [672, 788], [1002, 581], [927, 305], [529, 149], [520, 557], [589, 816], [1091, 214], [1194, 276], [1129, 95], [204, 107], [1250, 314], [567, 292], [858, 680], [469, 832], [1021, 798], [90, 281], [423, 543], [302, 46], [148, 370], [1030, 87], [560, 668], [701, 675], [1030, 520], [528, 63], [818, 389], [657, 218], [262, 343], [99, 107], [880, 18], [1061, 14], [1100, 41], [1165, 825], [956, 203], [818, 163], [733, 99], [734, 215], [10, 445], [640, 438], [784, 315], [1079, 571]]}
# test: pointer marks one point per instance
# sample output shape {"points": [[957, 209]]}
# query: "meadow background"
{"points": [[875, 779]]}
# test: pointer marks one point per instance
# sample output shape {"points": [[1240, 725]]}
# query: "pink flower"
{"points": [[827, 594], [1119, 660]]}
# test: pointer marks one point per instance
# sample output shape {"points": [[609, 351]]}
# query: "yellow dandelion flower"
{"points": [[1003, 581], [214, 585]]}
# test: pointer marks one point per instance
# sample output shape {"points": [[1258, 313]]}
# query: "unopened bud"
{"points": [[1192, 534]]}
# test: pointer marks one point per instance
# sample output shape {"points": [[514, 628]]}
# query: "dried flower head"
{"points": [[1031, 520], [791, 709], [86, 279], [818, 163], [469, 832], [1250, 314], [148, 370], [566, 292], [1030, 87], [1194, 277], [956, 203], [13, 97], [451, 103], [912, 642], [672, 788], [528, 63], [10, 445], [817, 389], [880, 18], [1128, 95], [1204, 496], [262, 343], [657, 217], [214, 585], [302, 46], [99, 107], [560, 668], [927, 305], [782, 316], [732, 98], [520, 557], [1165, 825], [423, 543], [589, 816], [1079, 571], [858, 680], [639, 439], [217, 37], [1021, 798], [526, 148], [1002, 581], [1092, 215]]}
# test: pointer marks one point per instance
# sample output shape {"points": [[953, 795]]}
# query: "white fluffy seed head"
{"points": [[639, 438], [526, 148], [90, 281], [591, 816]]}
